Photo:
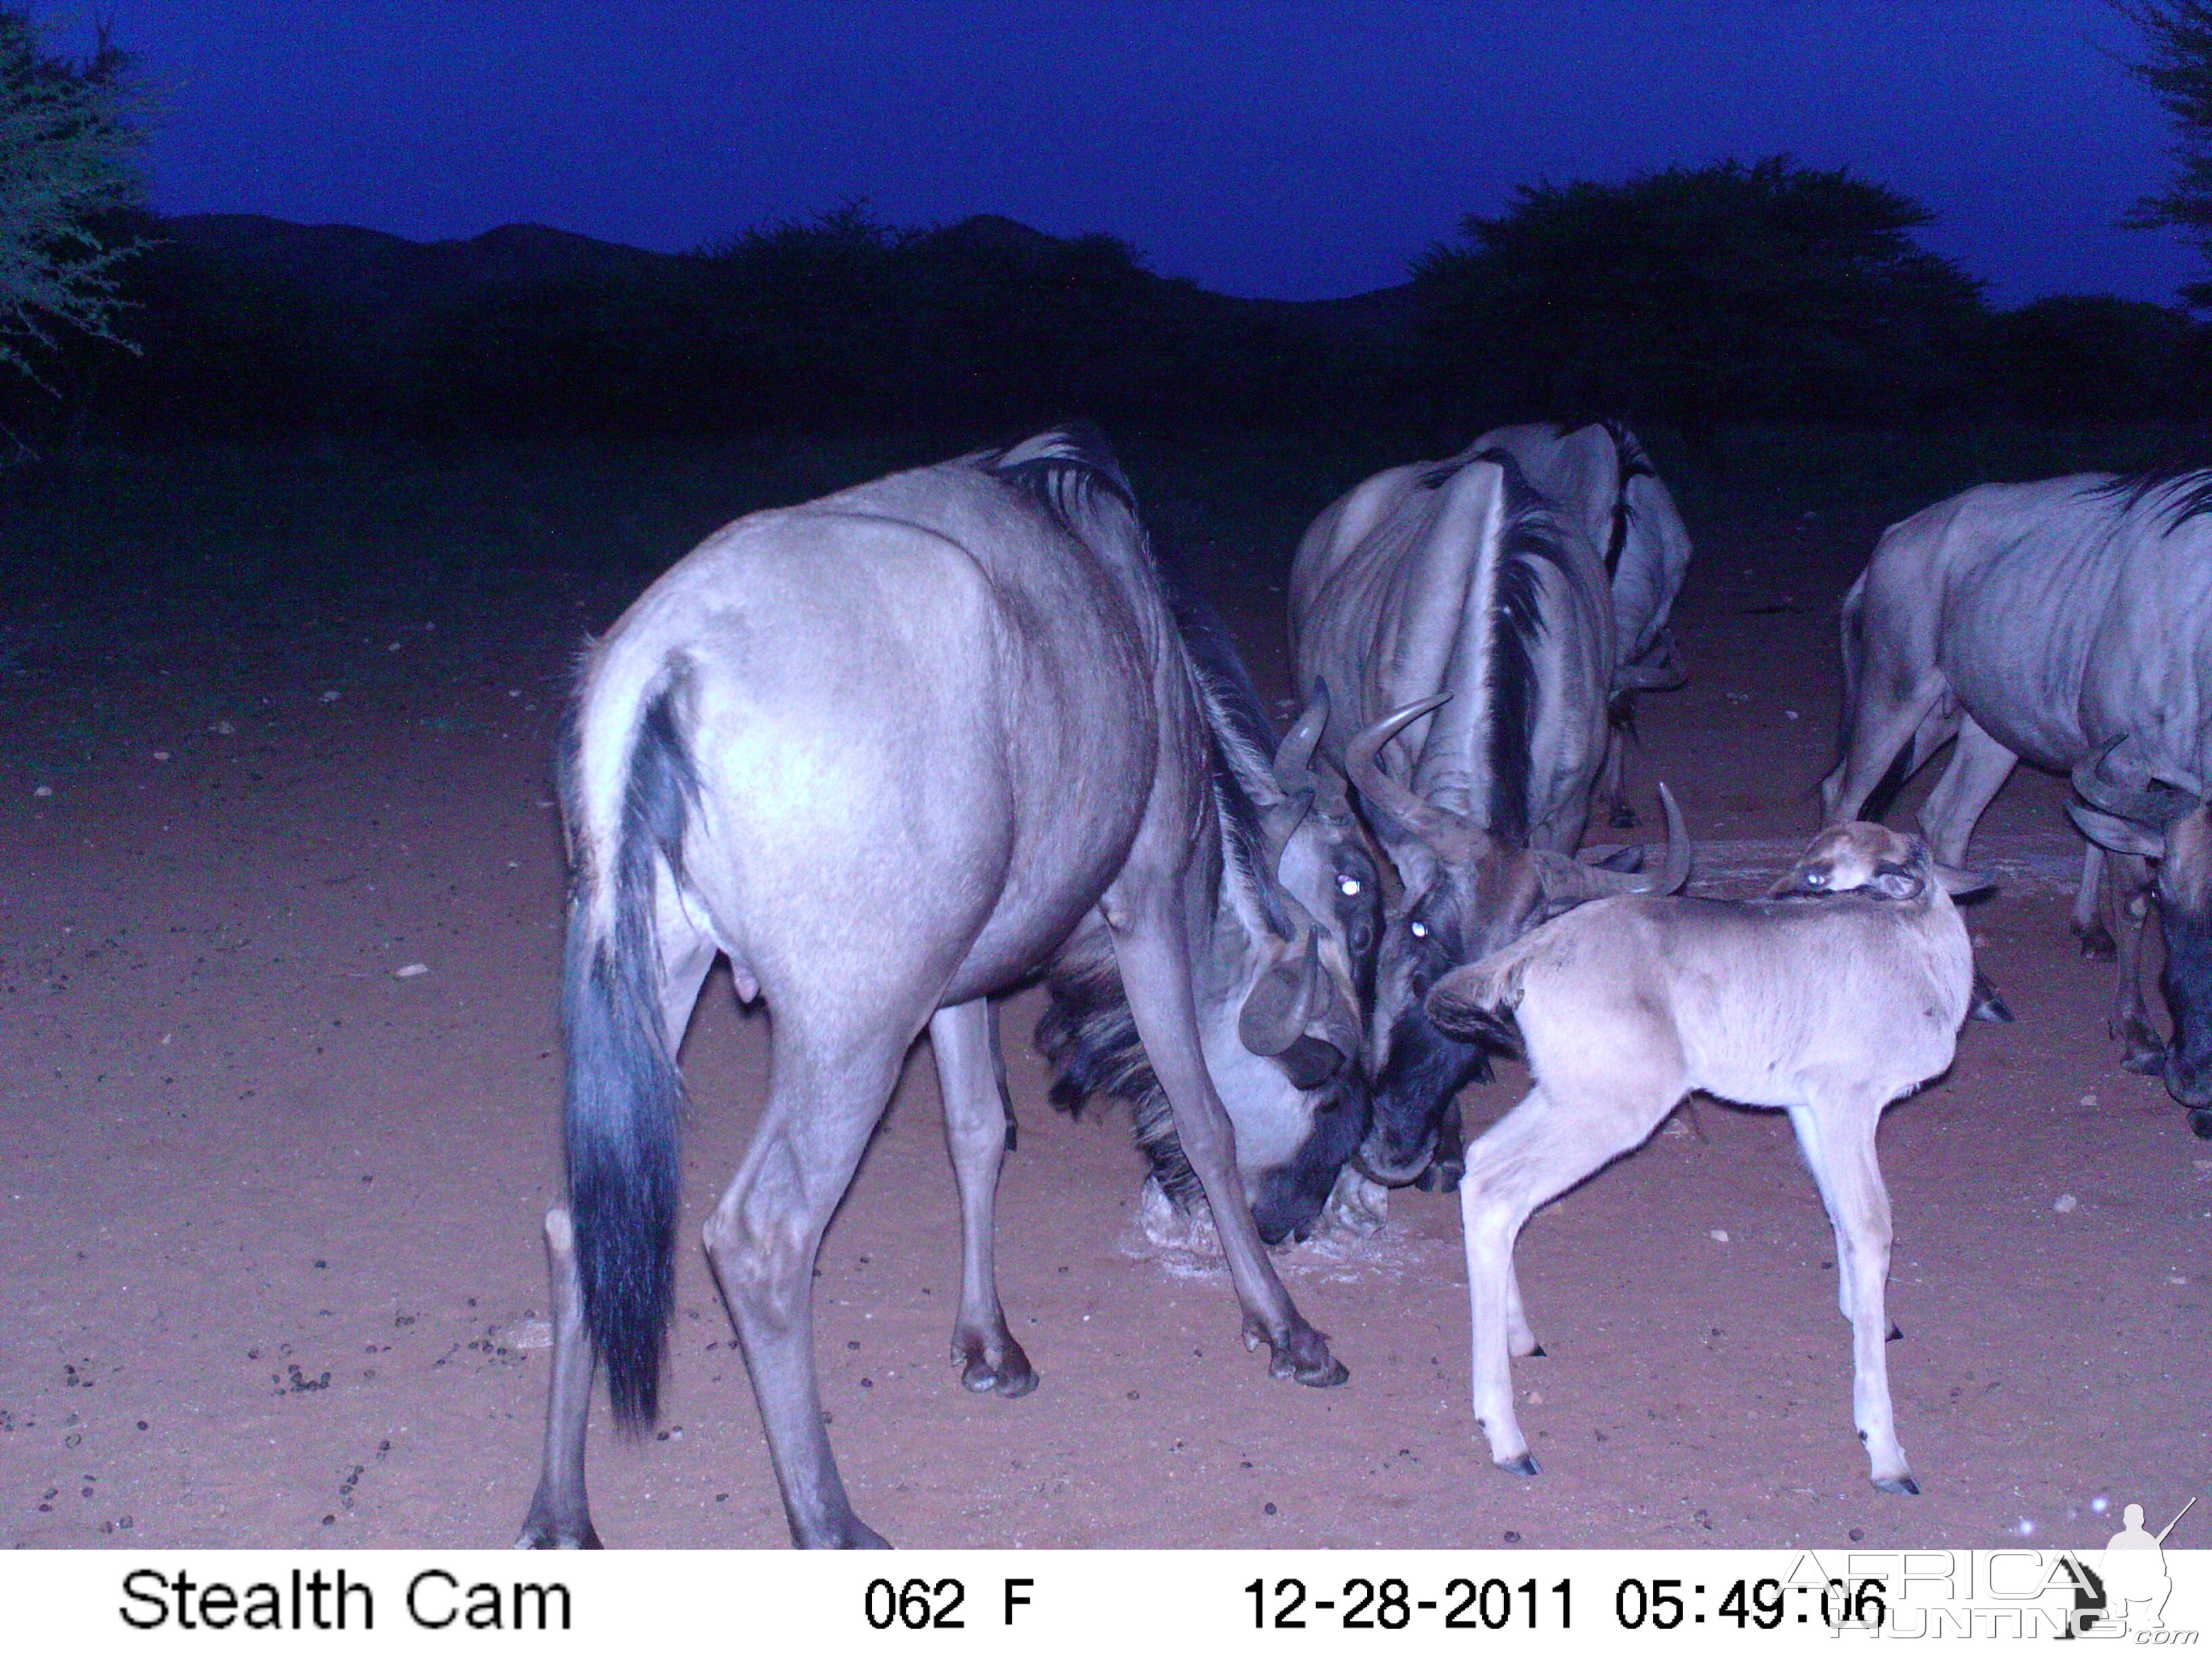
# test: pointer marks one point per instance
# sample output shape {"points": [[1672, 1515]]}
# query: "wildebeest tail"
{"points": [[624, 1095]]}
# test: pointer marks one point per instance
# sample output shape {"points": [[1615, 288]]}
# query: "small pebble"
{"points": [[1719, 1236], [330, 696], [223, 729], [2065, 1203], [2088, 1100], [160, 754], [42, 792], [1789, 714], [1858, 1533], [412, 971], [1268, 1509], [1512, 1537]]}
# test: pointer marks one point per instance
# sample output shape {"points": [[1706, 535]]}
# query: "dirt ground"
{"points": [[270, 1201]]}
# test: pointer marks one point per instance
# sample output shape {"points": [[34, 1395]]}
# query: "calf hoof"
{"points": [[1523, 1464], [2200, 1122], [1902, 1485], [1008, 1375], [1301, 1354], [2097, 943]]}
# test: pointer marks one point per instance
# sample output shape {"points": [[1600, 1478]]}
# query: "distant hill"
{"points": [[383, 272], [375, 269]]}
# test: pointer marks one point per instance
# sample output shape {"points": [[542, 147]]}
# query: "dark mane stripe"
{"points": [[1065, 471], [1517, 626], [2189, 490], [1632, 462]]}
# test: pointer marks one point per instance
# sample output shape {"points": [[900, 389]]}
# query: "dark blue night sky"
{"points": [[1299, 151]]}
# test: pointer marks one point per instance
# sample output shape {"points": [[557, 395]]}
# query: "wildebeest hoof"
{"points": [[1524, 1464], [1536, 1353], [1301, 1354], [2145, 1058], [2200, 1122], [1903, 1485], [2097, 943], [539, 1532], [1010, 1376], [1987, 1004], [1442, 1175]]}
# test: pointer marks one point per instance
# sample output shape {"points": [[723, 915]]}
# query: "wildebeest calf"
{"points": [[1841, 990]]}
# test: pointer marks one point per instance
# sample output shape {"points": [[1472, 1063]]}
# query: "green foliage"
{"points": [[1766, 291], [2179, 71], [66, 135]]}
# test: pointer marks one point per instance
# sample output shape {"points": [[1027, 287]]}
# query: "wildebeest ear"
{"points": [[1308, 1062], [1962, 884]]}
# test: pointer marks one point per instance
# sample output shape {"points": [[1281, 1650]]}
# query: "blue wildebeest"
{"points": [[1600, 474], [1462, 629], [886, 751], [1841, 990], [2067, 622]]}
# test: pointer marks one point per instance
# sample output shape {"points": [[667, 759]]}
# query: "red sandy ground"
{"points": [[270, 1214]]}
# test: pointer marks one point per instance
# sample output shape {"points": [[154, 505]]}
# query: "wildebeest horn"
{"points": [[2153, 807], [1277, 1008], [1396, 809], [1295, 774], [1570, 881]]}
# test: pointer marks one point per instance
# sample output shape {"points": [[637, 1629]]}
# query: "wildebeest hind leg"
{"points": [[2131, 1020], [1149, 948], [831, 1081], [560, 1518], [964, 1040], [1979, 765]]}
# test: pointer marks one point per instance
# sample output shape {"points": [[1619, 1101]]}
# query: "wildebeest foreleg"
{"points": [[964, 1040], [1528, 1158], [1149, 949], [2131, 1020], [2097, 942], [560, 1518], [829, 1084], [1836, 1133]]}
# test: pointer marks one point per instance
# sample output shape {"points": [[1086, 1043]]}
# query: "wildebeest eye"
{"points": [[1348, 885], [1816, 877], [1420, 930]]}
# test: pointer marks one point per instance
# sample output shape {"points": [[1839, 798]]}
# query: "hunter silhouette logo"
{"points": [[2136, 1582]]}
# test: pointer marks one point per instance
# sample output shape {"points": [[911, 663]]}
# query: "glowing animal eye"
{"points": [[1420, 931], [1347, 885]]}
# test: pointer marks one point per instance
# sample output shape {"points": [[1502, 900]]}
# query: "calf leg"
{"points": [[1837, 1132], [1151, 951], [964, 1040], [1530, 1156], [830, 1081]]}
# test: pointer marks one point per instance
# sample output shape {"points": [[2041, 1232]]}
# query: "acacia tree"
{"points": [[1690, 294], [66, 137], [2179, 71]]}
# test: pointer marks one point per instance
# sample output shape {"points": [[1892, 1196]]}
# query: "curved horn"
{"points": [[1568, 881], [1395, 807], [2153, 807], [1277, 1008], [1295, 772]]}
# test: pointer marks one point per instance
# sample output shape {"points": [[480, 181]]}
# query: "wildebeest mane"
{"points": [[2187, 492], [1516, 628], [1067, 470]]}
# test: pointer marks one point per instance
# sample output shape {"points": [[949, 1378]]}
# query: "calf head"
{"points": [[2164, 818], [1874, 862], [1466, 892]]}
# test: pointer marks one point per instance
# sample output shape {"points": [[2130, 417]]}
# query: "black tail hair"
{"points": [[625, 1096]]}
